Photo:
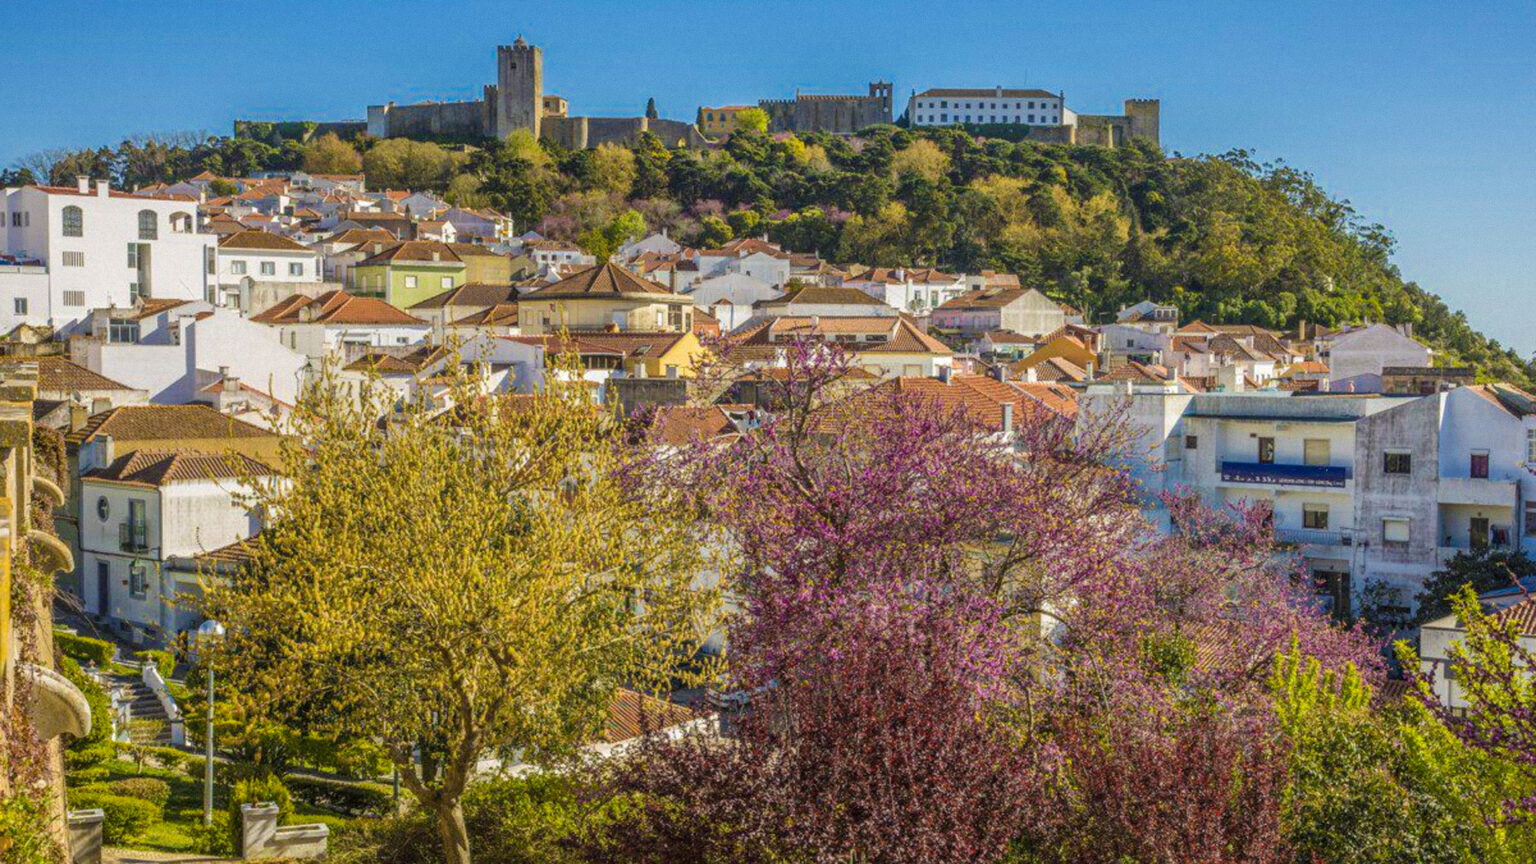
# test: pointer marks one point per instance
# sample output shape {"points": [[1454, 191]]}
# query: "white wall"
{"points": [[172, 264]]}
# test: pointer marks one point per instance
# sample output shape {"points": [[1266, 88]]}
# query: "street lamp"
{"points": [[209, 632]]}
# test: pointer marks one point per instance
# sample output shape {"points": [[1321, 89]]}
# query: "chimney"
{"points": [[82, 184], [1031, 376], [1007, 417], [101, 188], [999, 91], [945, 372], [78, 414], [1301, 329]]}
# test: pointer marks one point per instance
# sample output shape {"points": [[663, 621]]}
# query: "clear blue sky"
{"points": [[1422, 114]]}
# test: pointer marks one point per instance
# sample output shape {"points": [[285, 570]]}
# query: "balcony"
{"points": [[1477, 492], [1315, 536], [1274, 474], [133, 537]]}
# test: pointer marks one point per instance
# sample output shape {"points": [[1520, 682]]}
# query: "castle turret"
{"points": [[1144, 117], [519, 88]]}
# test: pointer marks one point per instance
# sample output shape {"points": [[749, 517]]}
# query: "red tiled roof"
{"points": [[159, 467], [253, 239], [334, 307], [129, 423]]}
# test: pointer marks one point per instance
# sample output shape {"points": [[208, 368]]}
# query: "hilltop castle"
{"points": [[517, 101]]}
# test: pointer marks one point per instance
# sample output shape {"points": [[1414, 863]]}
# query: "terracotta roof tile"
{"points": [[600, 280], [59, 375], [335, 307], [133, 423], [159, 467], [252, 239]]}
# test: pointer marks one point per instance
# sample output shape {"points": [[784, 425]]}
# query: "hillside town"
{"points": [[272, 434]]}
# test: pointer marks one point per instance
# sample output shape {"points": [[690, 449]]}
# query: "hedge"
{"points": [[89, 755], [170, 758], [84, 649], [165, 662], [126, 819], [351, 799], [148, 789]]}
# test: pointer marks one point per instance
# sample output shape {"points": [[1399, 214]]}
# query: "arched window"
{"points": [[148, 229], [181, 223], [74, 221]]}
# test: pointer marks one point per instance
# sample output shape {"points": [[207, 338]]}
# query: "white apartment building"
{"points": [[1375, 492], [68, 250], [916, 290], [145, 508], [1440, 475], [946, 106]]}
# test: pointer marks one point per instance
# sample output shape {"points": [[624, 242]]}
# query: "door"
{"points": [[103, 587], [1266, 451], [1477, 530]]}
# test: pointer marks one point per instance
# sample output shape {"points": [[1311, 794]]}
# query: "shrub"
{"points": [[96, 697], [353, 799], [83, 649], [143, 788], [257, 790], [164, 661], [89, 755], [169, 758], [125, 819], [218, 839], [82, 776]]}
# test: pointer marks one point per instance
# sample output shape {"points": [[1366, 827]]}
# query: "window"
{"points": [[237, 268], [19, 304], [1266, 451], [1397, 462], [268, 268], [74, 259], [295, 269], [1316, 451], [1530, 518], [1530, 446], [410, 281], [74, 221], [133, 255], [1314, 516], [446, 282], [138, 579], [74, 298], [149, 229], [1479, 465], [1394, 533], [123, 331], [1191, 442], [103, 508], [21, 219]]}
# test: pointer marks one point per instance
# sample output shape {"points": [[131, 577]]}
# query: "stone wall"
{"points": [[433, 120], [842, 115], [579, 133]]}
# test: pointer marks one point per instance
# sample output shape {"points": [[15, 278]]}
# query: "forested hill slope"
{"points": [[1223, 237]]}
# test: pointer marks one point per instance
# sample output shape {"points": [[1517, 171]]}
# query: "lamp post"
{"points": [[208, 632]]}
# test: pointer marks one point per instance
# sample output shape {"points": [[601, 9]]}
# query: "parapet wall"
{"points": [[432, 119]]}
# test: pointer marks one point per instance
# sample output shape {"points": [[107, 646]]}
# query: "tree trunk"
{"points": [[451, 830]]}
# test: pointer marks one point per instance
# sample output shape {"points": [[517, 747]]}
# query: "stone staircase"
{"points": [[144, 705]]}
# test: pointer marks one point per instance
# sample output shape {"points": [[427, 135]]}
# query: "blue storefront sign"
{"points": [[1329, 476]]}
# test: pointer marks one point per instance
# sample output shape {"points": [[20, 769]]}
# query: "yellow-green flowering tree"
{"points": [[459, 584]]}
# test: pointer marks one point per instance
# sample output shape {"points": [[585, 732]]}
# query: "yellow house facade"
{"points": [[604, 297]]}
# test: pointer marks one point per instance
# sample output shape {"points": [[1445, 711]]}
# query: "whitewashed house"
{"points": [[1355, 358], [260, 256], [69, 249], [141, 510], [342, 325]]}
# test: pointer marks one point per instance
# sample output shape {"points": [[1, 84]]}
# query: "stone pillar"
{"points": [[258, 825], [84, 828]]}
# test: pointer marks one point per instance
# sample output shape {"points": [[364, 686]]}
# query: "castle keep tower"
{"points": [[519, 88]]}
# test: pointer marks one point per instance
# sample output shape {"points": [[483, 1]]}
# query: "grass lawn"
{"points": [[184, 809]]}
